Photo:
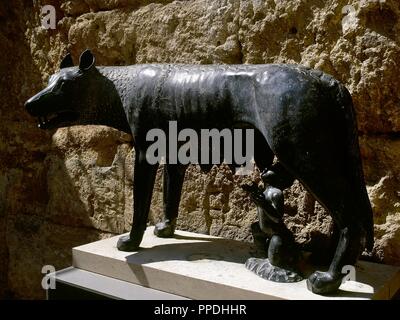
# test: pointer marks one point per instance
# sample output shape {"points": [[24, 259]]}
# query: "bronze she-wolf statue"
{"points": [[303, 117]]}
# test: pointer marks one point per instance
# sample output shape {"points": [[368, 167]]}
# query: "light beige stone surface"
{"points": [[80, 178], [203, 267]]}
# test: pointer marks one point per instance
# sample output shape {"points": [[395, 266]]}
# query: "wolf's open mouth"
{"points": [[56, 120]]}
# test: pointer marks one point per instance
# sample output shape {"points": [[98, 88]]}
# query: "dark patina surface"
{"points": [[302, 116]]}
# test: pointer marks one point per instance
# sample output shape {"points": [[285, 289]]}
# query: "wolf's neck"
{"points": [[112, 104], [122, 78]]}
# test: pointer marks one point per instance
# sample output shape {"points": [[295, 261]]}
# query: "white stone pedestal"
{"points": [[204, 267]]}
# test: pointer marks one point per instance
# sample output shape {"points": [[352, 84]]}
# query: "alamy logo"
{"points": [[49, 280], [49, 18], [350, 273], [196, 150]]}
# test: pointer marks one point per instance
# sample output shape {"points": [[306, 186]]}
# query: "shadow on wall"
{"points": [[84, 202], [46, 196], [42, 214], [22, 148]]}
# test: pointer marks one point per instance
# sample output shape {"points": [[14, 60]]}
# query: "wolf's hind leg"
{"points": [[327, 178], [347, 251]]}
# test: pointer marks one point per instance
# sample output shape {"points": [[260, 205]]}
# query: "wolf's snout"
{"points": [[31, 106], [37, 105], [28, 106]]}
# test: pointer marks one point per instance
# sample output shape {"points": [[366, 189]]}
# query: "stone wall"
{"points": [[64, 188]]}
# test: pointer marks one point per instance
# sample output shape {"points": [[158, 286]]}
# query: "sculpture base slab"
{"points": [[77, 284], [204, 267]]}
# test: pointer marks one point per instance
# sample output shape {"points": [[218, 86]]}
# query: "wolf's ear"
{"points": [[67, 62], [86, 61]]}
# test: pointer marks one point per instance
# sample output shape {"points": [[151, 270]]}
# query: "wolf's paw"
{"points": [[323, 282], [126, 243], [164, 229]]}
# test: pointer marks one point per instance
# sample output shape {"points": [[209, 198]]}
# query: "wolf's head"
{"points": [[78, 96], [65, 99]]}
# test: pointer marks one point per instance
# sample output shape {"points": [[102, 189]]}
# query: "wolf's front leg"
{"points": [[144, 176], [174, 175]]}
